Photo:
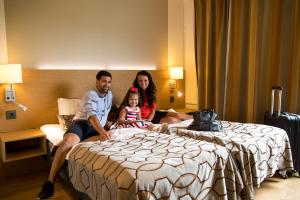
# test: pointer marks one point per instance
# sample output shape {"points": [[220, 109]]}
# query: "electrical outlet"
{"points": [[11, 114]]}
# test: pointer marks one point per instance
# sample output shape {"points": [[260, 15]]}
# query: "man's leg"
{"points": [[68, 142]]}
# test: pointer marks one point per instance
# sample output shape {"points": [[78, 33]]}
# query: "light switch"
{"points": [[10, 95]]}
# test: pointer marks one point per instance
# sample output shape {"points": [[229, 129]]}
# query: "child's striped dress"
{"points": [[132, 114]]}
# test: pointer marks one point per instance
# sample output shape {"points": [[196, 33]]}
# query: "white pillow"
{"points": [[68, 106], [54, 133]]}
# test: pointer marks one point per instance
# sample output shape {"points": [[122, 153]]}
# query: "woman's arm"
{"points": [[139, 117], [151, 115]]}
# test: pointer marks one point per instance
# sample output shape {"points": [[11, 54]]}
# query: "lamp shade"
{"points": [[10, 73], [176, 73]]}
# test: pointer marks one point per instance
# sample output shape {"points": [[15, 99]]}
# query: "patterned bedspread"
{"points": [[140, 164], [259, 150]]}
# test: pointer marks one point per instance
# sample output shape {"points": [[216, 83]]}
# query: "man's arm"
{"points": [[103, 134]]}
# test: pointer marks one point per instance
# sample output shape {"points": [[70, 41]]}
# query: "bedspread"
{"points": [[259, 150], [147, 165]]}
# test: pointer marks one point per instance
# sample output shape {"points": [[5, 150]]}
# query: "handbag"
{"points": [[205, 120]]}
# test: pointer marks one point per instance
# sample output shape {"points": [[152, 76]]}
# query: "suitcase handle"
{"points": [[276, 88], [279, 99]]}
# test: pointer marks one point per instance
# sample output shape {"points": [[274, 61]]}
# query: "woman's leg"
{"points": [[169, 120], [181, 116]]}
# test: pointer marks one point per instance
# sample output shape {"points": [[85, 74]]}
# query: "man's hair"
{"points": [[103, 73]]}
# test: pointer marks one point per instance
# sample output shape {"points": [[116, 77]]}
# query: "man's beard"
{"points": [[103, 91]]}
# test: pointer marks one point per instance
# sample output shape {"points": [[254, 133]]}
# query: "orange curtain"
{"points": [[243, 48]]}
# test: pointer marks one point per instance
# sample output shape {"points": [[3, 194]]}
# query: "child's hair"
{"points": [[131, 91]]}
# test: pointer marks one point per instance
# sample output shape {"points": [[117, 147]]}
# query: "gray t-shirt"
{"points": [[94, 104]]}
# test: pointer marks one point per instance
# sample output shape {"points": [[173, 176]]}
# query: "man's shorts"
{"points": [[82, 128]]}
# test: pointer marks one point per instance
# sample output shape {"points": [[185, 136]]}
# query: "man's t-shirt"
{"points": [[94, 104]]}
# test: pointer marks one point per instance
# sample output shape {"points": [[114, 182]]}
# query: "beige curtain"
{"points": [[243, 48]]}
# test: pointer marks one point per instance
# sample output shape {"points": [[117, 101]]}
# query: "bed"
{"points": [[140, 164], [259, 150]]}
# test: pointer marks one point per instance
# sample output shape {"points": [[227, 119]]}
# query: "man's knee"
{"points": [[68, 142]]}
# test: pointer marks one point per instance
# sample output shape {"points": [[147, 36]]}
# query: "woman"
{"points": [[147, 90]]}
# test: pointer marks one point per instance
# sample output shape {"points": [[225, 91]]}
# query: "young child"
{"points": [[130, 115]]}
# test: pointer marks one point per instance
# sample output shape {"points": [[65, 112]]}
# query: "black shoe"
{"points": [[46, 191]]}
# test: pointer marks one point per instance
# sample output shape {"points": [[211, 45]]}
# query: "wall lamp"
{"points": [[10, 73], [176, 73]]}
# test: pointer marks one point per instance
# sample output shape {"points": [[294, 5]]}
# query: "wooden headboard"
{"points": [[41, 89]]}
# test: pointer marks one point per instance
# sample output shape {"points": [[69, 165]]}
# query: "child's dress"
{"points": [[133, 115]]}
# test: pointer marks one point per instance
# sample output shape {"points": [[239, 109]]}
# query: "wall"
{"points": [[191, 98], [68, 34], [3, 47], [181, 48], [71, 33], [84, 33]]}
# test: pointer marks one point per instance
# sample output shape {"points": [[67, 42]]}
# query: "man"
{"points": [[89, 121]]}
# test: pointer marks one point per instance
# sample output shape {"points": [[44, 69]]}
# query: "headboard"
{"points": [[41, 89]]}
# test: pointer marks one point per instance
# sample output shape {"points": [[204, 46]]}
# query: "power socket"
{"points": [[11, 114]]}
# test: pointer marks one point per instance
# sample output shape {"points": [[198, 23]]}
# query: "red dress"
{"points": [[146, 109]]}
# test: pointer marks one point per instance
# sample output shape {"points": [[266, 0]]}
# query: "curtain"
{"points": [[243, 48]]}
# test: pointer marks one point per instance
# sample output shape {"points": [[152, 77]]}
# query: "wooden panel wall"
{"points": [[41, 88]]}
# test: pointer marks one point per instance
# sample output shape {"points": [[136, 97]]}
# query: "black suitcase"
{"points": [[289, 122]]}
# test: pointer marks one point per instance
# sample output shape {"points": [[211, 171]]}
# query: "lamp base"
{"points": [[10, 95]]}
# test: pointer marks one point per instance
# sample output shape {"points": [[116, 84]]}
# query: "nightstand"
{"points": [[19, 145]]}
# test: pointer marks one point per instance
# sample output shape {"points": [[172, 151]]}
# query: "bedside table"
{"points": [[19, 145]]}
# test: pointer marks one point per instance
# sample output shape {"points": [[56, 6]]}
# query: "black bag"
{"points": [[289, 122], [204, 121]]}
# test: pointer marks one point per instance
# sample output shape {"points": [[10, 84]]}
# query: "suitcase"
{"points": [[289, 122]]}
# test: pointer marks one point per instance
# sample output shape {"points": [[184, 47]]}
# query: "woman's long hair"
{"points": [[150, 90]]}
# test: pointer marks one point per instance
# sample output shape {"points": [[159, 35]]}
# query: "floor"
{"points": [[276, 188], [27, 186]]}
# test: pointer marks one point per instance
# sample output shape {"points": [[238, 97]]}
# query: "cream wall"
{"points": [[87, 33], [73, 33], [191, 97], [3, 47], [175, 33], [181, 46]]}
